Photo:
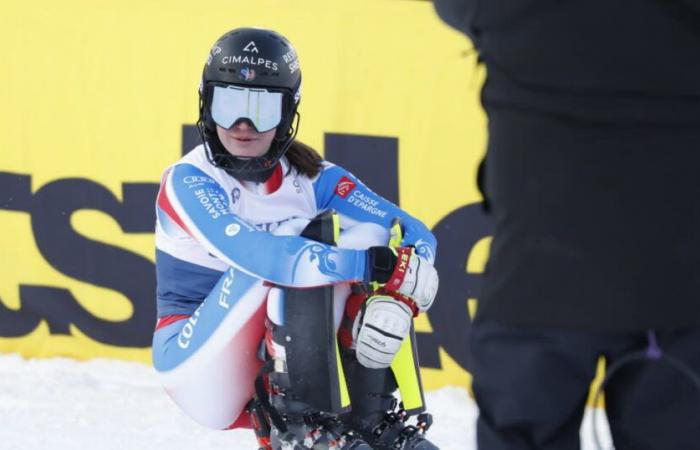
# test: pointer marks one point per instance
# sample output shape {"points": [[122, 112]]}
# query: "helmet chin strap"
{"points": [[258, 176]]}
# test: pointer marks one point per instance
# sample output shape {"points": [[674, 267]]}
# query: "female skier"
{"points": [[245, 271]]}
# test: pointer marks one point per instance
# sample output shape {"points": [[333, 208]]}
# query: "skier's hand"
{"points": [[379, 329], [400, 271]]}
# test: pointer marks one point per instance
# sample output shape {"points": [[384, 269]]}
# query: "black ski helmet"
{"points": [[251, 58]]}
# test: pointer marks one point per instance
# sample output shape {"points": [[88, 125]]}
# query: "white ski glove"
{"points": [[403, 272], [379, 329]]}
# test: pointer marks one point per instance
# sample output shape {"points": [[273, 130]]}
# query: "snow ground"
{"points": [[63, 404]]}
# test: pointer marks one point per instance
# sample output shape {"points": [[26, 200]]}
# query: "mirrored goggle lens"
{"points": [[232, 103]]}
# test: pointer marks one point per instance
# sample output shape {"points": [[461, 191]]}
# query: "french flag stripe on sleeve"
{"points": [[167, 207]]}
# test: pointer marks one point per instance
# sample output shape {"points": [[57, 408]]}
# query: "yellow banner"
{"points": [[95, 98]]}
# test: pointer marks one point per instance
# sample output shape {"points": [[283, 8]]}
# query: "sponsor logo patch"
{"points": [[251, 47], [235, 195], [344, 187], [232, 229], [366, 203], [247, 74]]}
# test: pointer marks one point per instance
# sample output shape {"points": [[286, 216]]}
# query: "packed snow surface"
{"points": [[63, 404]]}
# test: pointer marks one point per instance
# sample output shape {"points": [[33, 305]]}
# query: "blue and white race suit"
{"points": [[220, 245]]}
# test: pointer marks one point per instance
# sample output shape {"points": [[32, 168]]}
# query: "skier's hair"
{"points": [[304, 159]]}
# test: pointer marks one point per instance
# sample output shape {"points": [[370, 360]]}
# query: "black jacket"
{"points": [[593, 162]]}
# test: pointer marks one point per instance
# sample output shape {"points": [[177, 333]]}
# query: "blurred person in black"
{"points": [[591, 177]]}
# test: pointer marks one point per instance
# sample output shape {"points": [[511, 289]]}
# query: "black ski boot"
{"points": [[300, 428], [392, 432], [293, 423], [374, 410], [283, 423]]}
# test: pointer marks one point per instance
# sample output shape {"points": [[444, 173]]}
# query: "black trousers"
{"points": [[531, 385]]}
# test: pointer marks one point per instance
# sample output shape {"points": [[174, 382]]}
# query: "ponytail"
{"points": [[304, 159]]}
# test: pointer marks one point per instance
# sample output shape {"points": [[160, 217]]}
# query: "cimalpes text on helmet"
{"points": [[251, 60]]}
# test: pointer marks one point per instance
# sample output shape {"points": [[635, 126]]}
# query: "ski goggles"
{"points": [[230, 104]]}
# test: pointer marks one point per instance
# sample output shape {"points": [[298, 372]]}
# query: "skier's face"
{"points": [[244, 141]]}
